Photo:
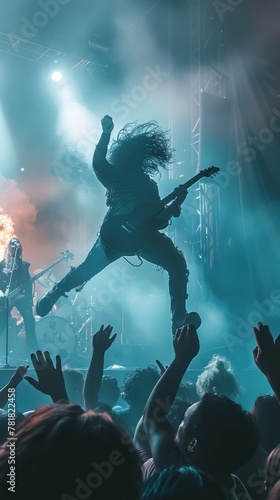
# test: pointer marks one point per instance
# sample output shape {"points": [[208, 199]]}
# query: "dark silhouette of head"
{"points": [[74, 383], [266, 410], [181, 483], [109, 392], [138, 385], [217, 435], [63, 451], [177, 412], [144, 147], [217, 378], [14, 247]]}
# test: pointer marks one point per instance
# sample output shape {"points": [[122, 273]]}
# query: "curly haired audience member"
{"points": [[137, 387], [217, 378]]}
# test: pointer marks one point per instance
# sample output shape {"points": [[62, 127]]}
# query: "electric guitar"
{"points": [[129, 234], [18, 292]]}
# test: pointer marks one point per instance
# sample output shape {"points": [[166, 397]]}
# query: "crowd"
{"points": [[162, 446]]}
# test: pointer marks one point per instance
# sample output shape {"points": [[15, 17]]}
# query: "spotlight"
{"points": [[56, 76]]}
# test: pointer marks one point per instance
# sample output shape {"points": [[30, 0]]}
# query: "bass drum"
{"points": [[57, 336]]}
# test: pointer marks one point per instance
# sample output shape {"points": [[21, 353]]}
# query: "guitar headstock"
{"points": [[67, 255], [210, 171]]}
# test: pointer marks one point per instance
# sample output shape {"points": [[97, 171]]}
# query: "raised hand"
{"points": [[101, 341], [50, 378], [267, 352], [15, 379], [186, 343], [267, 356], [18, 376], [107, 124]]}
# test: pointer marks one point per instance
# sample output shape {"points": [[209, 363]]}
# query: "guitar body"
{"points": [[12, 300], [129, 234]]}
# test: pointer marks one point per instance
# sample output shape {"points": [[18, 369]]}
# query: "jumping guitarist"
{"points": [[14, 271], [138, 153]]}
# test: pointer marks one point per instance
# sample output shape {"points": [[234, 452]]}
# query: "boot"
{"points": [[47, 301]]}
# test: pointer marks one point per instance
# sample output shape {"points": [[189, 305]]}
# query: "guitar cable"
{"points": [[131, 263]]}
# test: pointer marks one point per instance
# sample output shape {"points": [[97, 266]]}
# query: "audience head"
{"points": [[138, 385], [74, 383], [109, 392], [181, 483], [217, 378], [13, 248], [63, 451], [177, 412], [217, 436], [266, 410]]}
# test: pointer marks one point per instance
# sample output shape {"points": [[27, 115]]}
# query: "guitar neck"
{"points": [[41, 273], [185, 186], [17, 290]]}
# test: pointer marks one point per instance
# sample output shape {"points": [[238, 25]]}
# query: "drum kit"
{"points": [[66, 330]]}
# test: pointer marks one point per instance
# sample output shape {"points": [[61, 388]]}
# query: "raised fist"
{"points": [[107, 124]]}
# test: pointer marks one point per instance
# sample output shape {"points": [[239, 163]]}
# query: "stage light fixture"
{"points": [[56, 76]]}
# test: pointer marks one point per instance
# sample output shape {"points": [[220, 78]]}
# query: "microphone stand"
{"points": [[7, 365]]}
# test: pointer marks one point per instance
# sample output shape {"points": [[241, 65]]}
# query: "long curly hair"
{"points": [[145, 146], [138, 385]]}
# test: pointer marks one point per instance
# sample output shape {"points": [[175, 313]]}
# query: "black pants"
{"points": [[24, 306], [160, 251]]}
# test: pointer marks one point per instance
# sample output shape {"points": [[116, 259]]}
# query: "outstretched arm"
{"points": [[101, 342], [100, 165], [267, 356], [14, 381], [159, 431]]}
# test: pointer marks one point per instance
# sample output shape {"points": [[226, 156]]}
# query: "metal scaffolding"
{"points": [[17, 46], [205, 77]]}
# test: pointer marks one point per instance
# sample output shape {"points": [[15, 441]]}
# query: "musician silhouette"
{"points": [[14, 271], [138, 153]]}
